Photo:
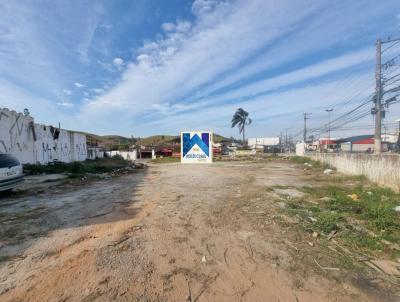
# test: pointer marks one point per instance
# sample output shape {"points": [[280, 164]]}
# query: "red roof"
{"points": [[327, 142], [366, 141]]}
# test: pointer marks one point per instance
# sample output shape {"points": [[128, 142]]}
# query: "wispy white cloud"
{"points": [[168, 68], [79, 85], [118, 62], [42, 109], [227, 43], [259, 54], [67, 91], [315, 71], [91, 22], [65, 104], [38, 54], [267, 111], [98, 90], [168, 26]]}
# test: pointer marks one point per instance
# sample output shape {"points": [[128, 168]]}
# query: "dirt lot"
{"points": [[176, 232]]}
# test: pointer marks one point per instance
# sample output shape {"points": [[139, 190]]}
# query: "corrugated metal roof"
{"points": [[352, 139]]}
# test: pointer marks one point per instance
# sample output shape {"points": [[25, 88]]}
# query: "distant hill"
{"points": [[156, 140], [219, 138], [110, 142], [117, 142]]}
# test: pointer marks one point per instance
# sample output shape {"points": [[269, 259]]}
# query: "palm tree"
{"points": [[241, 119]]}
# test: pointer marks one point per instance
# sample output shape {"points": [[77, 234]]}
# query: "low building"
{"points": [[360, 143], [326, 145], [164, 152], [267, 144], [37, 143], [127, 155], [94, 152]]}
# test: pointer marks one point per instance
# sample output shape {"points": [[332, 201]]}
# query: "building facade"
{"points": [[36, 143]]}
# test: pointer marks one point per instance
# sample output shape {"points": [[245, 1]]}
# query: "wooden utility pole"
{"points": [[378, 99]]}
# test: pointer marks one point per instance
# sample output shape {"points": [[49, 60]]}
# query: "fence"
{"points": [[382, 169], [127, 155]]}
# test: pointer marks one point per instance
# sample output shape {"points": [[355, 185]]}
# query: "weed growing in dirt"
{"points": [[305, 160], [166, 160], [103, 165], [327, 221], [363, 214], [364, 242]]}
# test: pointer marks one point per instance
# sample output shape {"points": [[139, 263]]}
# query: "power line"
{"points": [[389, 47], [360, 111], [387, 80], [346, 115]]}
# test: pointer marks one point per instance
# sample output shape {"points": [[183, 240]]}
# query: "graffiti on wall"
{"points": [[32, 143]]}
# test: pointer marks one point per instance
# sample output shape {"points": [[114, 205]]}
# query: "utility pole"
{"points": [[378, 99], [378, 108], [286, 141], [329, 122], [398, 136], [305, 114], [329, 110]]}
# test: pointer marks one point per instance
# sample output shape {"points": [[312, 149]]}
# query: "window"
{"points": [[7, 160]]}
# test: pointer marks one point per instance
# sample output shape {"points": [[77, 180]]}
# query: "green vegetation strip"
{"points": [[305, 160], [362, 213], [78, 168], [166, 160], [363, 216]]}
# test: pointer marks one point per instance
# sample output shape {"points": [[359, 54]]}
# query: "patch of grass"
{"points": [[363, 242], [347, 178], [362, 221], [103, 165], [382, 216], [295, 205], [315, 164], [299, 159], [282, 187], [307, 190], [327, 221], [166, 160]]}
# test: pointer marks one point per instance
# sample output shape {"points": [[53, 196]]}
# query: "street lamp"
{"points": [[329, 110]]}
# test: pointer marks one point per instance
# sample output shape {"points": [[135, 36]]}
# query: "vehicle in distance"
{"points": [[11, 173]]}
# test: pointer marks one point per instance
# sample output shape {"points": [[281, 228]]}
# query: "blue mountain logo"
{"points": [[189, 143]]}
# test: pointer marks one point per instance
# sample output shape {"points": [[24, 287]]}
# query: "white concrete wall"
{"points": [[263, 141], [300, 149], [17, 137], [127, 155], [382, 169], [95, 152]]}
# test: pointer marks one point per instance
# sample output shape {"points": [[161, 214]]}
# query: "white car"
{"points": [[11, 174]]}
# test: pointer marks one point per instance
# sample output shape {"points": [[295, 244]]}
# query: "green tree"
{"points": [[241, 119]]}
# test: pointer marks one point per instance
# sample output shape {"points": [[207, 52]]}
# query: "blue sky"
{"points": [[146, 67]]}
